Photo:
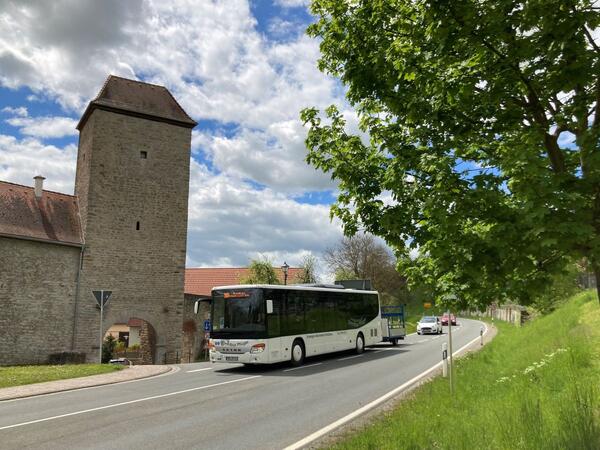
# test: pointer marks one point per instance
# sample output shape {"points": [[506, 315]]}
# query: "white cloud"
{"points": [[292, 3], [21, 160], [231, 223], [45, 127], [21, 111]]}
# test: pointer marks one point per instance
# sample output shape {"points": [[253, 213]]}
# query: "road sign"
{"points": [[102, 297], [426, 305], [207, 325]]}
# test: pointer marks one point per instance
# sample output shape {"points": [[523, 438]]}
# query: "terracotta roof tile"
{"points": [[53, 217], [200, 281], [140, 99]]}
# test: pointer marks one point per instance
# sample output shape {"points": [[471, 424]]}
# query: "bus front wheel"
{"points": [[360, 343], [298, 353]]}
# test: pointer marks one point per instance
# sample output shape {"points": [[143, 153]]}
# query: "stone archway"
{"points": [[136, 340]]}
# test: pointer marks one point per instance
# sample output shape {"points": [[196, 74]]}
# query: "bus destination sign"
{"points": [[236, 294]]}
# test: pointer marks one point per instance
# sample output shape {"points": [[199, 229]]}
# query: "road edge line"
{"points": [[353, 415]]}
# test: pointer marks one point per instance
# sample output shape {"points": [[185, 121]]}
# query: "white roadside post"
{"points": [[444, 360], [450, 350], [481, 335]]}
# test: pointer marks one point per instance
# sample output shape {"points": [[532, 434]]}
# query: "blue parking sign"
{"points": [[207, 325]]}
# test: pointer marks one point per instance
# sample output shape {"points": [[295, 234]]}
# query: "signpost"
{"points": [[207, 325], [426, 305], [102, 297]]}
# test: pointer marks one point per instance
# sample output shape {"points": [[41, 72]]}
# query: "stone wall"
{"points": [[37, 299], [144, 268]]}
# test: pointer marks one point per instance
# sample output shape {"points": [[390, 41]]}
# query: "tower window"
{"points": [[143, 155], [137, 225]]}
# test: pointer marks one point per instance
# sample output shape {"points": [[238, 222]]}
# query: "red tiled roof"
{"points": [[200, 281], [54, 217], [137, 98]]}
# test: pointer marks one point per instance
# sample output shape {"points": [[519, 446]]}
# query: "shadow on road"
{"points": [[319, 364]]}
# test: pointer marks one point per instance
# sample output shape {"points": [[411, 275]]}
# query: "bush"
{"points": [[134, 348], [120, 347], [66, 358], [108, 348]]}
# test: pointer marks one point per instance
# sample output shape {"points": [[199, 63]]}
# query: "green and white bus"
{"points": [[263, 324]]}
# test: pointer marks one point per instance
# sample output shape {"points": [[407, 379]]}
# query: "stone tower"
{"points": [[132, 186]]}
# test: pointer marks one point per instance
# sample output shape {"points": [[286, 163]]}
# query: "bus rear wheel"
{"points": [[298, 353], [360, 344]]}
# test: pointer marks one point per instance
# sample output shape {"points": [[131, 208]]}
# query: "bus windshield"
{"points": [[238, 311]]}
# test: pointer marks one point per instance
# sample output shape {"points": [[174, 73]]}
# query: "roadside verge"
{"points": [[128, 374], [316, 439]]}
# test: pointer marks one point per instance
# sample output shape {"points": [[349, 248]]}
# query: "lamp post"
{"points": [[284, 269]]}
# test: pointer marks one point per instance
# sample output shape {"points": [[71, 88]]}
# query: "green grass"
{"points": [[20, 375], [535, 387]]}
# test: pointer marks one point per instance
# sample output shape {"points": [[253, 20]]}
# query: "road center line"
{"points": [[349, 357], [323, 431], [199, 370], [302, 367], [199, 388]]}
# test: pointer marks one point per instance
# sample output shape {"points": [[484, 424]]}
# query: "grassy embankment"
{"points": [[20, 375], [536, 387]]}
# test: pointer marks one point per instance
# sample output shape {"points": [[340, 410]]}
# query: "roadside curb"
{"points": [[127, 375]]}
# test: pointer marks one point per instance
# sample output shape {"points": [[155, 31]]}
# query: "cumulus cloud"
{"points": [[22, 159], [231, 223], [45, 127], [21, 111]]}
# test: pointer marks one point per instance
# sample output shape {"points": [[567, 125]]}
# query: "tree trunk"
{"points": [[596, 267]]}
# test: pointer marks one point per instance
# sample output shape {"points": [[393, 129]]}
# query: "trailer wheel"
{"points": [[394, 342]]}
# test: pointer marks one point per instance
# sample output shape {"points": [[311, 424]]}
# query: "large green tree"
{"points": [[481, 124]]}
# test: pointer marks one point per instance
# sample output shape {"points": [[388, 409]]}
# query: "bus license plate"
{"points": [[231, 358]]}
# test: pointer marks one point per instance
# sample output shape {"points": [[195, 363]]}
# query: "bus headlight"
{"points": [[257, 348]]}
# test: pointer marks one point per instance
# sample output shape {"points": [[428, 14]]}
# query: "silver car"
{"points": [[429, 325]]}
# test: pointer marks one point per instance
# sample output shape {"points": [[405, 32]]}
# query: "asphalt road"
{"points": [[218, 406]]}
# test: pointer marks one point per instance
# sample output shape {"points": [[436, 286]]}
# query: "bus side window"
{"points": [[274, 319]]}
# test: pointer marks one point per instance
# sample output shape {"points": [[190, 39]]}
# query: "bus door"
{"points": [[274, 323]]}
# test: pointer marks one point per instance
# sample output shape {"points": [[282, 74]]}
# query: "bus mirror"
{"points": [[196, 306], [269, 306]]}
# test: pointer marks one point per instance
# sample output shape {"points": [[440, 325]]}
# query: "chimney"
{"points": [[39, 185]]}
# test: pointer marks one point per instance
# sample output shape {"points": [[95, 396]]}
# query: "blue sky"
{"points": [[243, 70]]}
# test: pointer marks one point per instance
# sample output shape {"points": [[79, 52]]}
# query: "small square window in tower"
{"points": [[137, 226], [143, 155]]}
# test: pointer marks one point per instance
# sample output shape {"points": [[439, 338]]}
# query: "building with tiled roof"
{"points": [[200, 281], [46, 216]]}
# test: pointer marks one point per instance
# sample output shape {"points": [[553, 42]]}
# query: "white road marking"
{"points": [[302, 367], [170, 394], [421, 341], [323, 431], [199, 370], [349, 357], [437, 337]]}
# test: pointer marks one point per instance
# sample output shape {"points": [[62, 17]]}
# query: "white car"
{"points": [[429, 324]]}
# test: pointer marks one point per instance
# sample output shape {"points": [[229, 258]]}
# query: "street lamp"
{"points": [[284, 269]]}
